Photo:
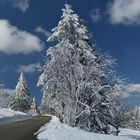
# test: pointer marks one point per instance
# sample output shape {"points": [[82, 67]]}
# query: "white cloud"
{"points": [[126, 12], [22, 5], [2, 85], [28, 68], [96, 15], [39, 29], [15, 41], [133, 88]]}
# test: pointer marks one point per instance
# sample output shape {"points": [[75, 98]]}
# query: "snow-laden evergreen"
{"points": [[135, 120], [34, 111], [6, 97], [21, 98], [78, 85], [132, 119]]}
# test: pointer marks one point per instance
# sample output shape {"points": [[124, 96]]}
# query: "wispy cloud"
{"points": [[133, 88], [39, 29], [15, 41], [96, 15], [28, 68], [22, 5], [2, 85], [125, 12]]}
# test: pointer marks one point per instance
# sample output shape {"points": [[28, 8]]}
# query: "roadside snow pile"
{"points": [[130, 133], [8, 116], [58, 131]]}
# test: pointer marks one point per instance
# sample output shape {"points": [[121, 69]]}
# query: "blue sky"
{"points": [[25, 25]]}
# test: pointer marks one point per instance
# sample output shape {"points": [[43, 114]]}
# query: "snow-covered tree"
{"points": [[21, 98], [6, 97], [132, 119], [78, 85], [34, 111]]}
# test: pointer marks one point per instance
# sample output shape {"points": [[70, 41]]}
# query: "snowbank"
{"points": [[8, 116], [58, 131], [130, 133]]}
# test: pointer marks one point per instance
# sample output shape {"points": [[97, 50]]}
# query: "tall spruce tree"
{"points": [[34, 111], [21, 99], [78, 85]]}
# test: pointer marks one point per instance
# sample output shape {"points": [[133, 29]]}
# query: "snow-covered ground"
{"points": [[8, 116], [130, 133], [58, 131]]}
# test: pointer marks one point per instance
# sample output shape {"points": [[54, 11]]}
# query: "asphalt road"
{"points": [[23, 130]]}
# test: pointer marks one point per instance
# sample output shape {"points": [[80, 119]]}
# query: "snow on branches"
{"points": [[34, 111], [21, 98], [78, 83]]}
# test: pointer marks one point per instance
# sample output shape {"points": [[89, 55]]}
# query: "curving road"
{"points": [[23, 130]]}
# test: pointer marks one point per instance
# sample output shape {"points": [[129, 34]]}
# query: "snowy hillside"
{"points": [[58, 131], [5, 97], [8, 116]]}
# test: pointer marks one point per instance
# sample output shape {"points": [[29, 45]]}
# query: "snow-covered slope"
{"points": [[58, 131], [8, 116]]}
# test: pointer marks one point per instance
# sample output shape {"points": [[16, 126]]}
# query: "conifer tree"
{"points": [[78, 85], [132, 119], [34, 108], [21, 99]]}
